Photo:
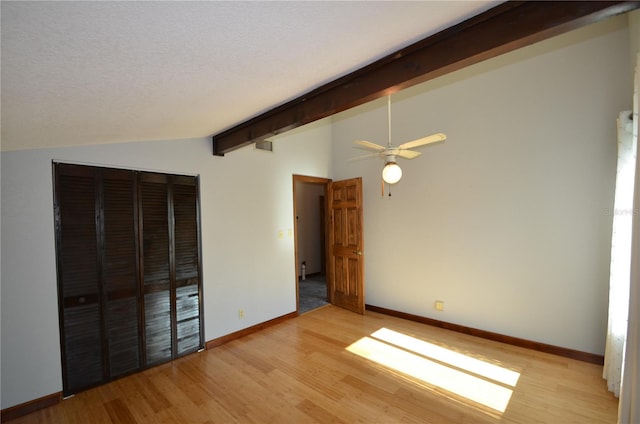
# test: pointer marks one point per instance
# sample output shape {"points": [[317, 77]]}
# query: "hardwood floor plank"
{"points": [[118, 412], [309, 370], [317, 413]]}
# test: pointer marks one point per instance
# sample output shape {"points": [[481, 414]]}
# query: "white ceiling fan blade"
{"points": [[424, 140], [367, 145], [371, 155], [408, 154]]}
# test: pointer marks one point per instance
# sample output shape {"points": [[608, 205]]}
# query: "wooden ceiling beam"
{"points": [[504, 28]]}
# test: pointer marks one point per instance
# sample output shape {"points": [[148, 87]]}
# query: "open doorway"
{"points": [[310, 194]]}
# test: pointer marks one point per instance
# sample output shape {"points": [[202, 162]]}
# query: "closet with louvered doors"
{"points": [[128, 259]]}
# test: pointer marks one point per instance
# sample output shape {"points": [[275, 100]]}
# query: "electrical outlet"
{"points": [[240, 313], [439, 305]]}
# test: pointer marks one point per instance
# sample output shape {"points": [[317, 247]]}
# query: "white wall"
{"points": [[246, 198], [508, 221]]}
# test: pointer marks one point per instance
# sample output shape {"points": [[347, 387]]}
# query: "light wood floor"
{"points": [[311, 369]]}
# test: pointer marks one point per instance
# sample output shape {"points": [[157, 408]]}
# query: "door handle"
{"points": [[357, 252]]}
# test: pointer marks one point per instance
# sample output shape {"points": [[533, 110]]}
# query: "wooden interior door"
{"points": [[346, 259]]}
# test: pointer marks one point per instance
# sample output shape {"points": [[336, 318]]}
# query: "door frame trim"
{"points": [[326, 182]]}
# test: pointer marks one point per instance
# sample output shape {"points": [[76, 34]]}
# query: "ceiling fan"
{"points": [[391, 173]]}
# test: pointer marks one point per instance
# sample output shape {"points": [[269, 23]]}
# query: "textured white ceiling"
{"points": [[76, 73]]}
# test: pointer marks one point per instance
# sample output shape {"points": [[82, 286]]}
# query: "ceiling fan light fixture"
{"points": [[391, 173]]}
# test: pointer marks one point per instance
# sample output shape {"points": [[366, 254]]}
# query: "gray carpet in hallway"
{"points": [[312, 293]]}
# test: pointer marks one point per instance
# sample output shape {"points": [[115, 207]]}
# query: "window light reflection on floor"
{"points": [[395, 351], [442, 354]]}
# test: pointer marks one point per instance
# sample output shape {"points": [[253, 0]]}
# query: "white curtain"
{"points": [[620, 254], [629, 405]]}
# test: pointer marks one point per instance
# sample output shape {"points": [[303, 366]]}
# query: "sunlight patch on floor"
{"points": [[448, 356], [470, 378]]}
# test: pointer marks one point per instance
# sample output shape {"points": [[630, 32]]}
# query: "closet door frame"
{"points": [[97, 174]]}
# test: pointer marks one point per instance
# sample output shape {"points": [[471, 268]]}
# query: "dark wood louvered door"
{"points": [[80, 298], [120, 271], [159, 331], [128, 271], [186, 247]]}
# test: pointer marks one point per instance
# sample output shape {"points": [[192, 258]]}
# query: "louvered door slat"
{"points": [[83, 347], [78, 226], [155, 230], [122, 323], [186, 232], [188, 319], [157, 311]]}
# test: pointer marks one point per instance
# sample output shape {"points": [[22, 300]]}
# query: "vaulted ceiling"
{"points": [[81, 73], [76, 73]]}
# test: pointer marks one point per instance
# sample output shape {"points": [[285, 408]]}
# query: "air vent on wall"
{"points": [[265, 145]]}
